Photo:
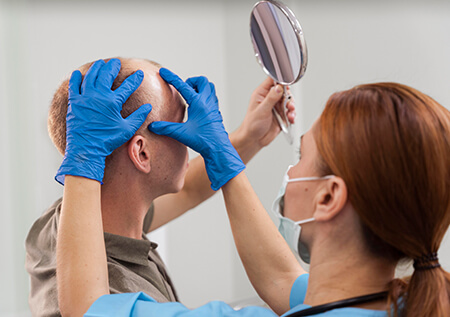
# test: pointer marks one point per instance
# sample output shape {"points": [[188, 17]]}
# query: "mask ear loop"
{"points": [[301, 222], [312, 178]]}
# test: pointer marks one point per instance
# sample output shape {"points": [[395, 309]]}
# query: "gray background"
{"points": [[41, 42]]}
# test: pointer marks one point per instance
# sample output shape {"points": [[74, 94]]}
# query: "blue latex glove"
{"points": [[203, 131], [94, 124]]}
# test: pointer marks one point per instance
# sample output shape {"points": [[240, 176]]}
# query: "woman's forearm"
{"points": [[269, 263], [82, 273]]}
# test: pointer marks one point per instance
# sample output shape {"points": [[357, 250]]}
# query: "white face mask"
{"points": [[289, 229]]}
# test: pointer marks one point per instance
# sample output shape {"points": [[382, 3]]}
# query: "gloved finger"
{"points": [[74, 83], [108, 73], [91, 75], [199, 84], [211, 99], [184, 89], [129, 86], [173, 130], [138, 117], [166, 128], [212, 90]]}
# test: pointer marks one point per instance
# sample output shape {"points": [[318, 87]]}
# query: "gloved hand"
{"points": [[203, 131], [94, 124]]}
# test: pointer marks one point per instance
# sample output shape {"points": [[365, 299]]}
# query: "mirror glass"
{"points": [[278, 42]]}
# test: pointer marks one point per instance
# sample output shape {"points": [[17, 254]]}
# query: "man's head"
{"points": [[160, 157]]}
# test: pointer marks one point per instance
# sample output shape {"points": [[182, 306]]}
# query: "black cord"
{"points": [[339, 304]]}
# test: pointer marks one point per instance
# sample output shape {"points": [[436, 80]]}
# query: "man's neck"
{"points": [[123, 212]]}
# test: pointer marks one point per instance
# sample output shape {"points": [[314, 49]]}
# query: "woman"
{"points": [[388, 146], [372, 188]]}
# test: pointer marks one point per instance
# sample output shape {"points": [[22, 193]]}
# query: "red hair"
{"points": [[391, 145]]}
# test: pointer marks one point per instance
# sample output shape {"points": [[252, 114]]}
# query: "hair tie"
{"points": [[424, 262]]}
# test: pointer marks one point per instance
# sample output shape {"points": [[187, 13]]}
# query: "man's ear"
{"points": [[331, 199], [139, 153]]}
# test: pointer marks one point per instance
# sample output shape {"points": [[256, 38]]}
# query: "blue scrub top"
{"points": [[298, 293], [142, 305]]}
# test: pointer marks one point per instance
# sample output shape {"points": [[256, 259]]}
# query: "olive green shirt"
{"points": [[133, 265]]}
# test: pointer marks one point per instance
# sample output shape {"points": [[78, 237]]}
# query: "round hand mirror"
{"points": [[280, 49]]}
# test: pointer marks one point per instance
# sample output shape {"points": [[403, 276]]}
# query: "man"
{"points": [[136, 178]]}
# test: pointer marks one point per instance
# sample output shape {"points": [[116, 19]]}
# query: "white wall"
{"points": [[7, 268], [349, 42]]}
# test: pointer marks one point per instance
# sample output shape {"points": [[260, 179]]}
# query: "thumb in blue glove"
{"points": [[203, 131], [95, 127]]}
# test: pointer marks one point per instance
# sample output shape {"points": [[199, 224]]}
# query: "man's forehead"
{"points": [[153, 87]]}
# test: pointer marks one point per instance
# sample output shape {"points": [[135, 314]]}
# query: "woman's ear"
{"points": [[139, 153], [331, 199]]}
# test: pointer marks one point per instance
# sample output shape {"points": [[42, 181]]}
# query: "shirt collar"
{"points": [[128, 249]]}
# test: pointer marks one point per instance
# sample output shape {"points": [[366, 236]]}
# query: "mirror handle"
{"points": [[285, 127]]}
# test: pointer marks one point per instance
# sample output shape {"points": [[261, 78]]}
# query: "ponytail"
{"points": [[424, 294], [428, 294]]}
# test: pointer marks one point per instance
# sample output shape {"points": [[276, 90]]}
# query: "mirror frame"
{"points": [[298, 33]]}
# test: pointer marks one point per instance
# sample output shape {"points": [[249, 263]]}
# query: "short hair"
{"points": [[58, 107]]}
